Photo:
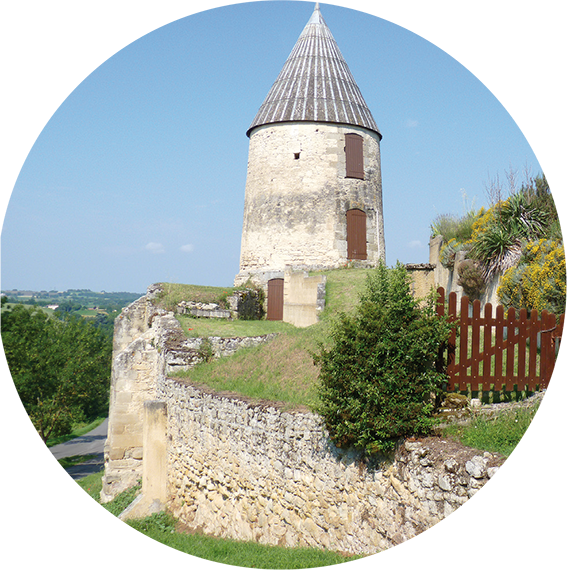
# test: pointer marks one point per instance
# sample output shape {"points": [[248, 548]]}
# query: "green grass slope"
{"points": [[283, 369]]}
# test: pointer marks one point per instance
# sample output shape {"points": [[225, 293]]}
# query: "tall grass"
{"points": [[174, 293], [500, 433], [166, 530]]}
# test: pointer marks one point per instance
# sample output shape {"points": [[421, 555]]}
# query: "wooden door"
{"points": [[356, 234], [275, 299]]}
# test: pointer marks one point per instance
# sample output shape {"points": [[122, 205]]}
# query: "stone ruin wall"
{"points": [[148, 343], [256, 471]]}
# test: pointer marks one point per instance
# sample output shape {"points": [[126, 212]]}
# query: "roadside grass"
{"points": [[56, 466], [79, 430], [67, 462], [92, 484], [283, 369], [500, 433]]}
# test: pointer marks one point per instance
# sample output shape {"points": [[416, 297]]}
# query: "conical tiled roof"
{"points": [[315, 84]]}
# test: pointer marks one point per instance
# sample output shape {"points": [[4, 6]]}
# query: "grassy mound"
{"points": [[283, 369]]}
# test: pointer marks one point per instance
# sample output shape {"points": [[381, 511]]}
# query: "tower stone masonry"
{"points": [[313, 196]]}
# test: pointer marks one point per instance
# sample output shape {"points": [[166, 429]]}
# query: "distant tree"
{"points": [[61, 368], [67, 307], [3, 317], [105, 324]]}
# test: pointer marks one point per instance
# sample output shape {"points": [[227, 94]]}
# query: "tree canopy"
{"points": [[60, 367]]}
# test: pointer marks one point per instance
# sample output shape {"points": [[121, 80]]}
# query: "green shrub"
{"points": [[378, 379], [206, 352]]}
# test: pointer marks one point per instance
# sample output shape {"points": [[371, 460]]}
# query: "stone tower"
{"points": [[313, 195]]}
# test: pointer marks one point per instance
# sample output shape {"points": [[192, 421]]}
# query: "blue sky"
{"points": [[139, 175]]}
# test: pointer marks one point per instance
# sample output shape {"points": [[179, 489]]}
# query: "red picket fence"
{"points": [[502, 351]]}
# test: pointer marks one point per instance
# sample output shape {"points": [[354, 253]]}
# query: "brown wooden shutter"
{"points": [[356, 234], [275, 299], [354, 156]]}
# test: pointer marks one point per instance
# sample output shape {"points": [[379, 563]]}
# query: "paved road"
{"points": [[91, 443]]}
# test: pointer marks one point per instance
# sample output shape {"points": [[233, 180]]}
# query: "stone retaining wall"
{"points": [[254, 471]]}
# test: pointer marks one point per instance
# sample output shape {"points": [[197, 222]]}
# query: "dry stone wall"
{"points": [[254, 471]]}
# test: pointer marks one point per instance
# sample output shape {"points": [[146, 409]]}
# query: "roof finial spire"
{"points": [[316, 5]]}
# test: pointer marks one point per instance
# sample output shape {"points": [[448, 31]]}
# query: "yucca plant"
{"points": [[520, 212], [513, 222], [497, 249]]}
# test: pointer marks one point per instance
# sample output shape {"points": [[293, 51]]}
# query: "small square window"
{"points": [[296, 155]]}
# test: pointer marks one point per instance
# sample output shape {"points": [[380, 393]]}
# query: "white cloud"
{"points": [[411, 123], [154, 247], [414, 244], [187, 248]]}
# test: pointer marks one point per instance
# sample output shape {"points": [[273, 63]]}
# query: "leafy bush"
{"points": [[378, 379], [206, 352], [61, 368]]}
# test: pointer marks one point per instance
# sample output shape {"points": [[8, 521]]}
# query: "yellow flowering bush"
{"points": [[485, 218], [538, 281]]}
